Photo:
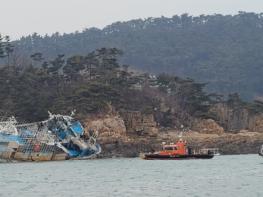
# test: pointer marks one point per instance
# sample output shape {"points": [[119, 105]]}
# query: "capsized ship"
{"points": [[59, 137], [179, 151]]}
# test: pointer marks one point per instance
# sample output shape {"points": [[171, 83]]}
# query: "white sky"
{"points": [[23, 17]]}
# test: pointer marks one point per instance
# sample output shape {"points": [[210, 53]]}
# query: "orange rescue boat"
{"points": [[178, 151]]}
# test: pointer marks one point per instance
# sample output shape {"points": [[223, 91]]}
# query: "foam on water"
{"points": [[240, 175]]}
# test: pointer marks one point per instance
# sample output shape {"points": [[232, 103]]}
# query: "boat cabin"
{"points": [[179, 148]]}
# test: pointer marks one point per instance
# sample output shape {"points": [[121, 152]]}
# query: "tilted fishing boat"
{"points": [[178, 151], [59, 137]]}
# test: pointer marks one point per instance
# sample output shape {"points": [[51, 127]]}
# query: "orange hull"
{"points": [[176, 157], [177, 151]]}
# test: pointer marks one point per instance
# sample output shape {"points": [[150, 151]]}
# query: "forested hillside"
{"points": [[224, 51], [96, 83]]}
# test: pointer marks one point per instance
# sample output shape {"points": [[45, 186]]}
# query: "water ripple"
{"points": [[222, 176]]}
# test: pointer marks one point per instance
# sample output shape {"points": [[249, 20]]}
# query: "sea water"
{"points": [[227, 176]]}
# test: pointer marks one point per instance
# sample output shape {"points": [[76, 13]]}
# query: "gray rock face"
{"points": [[120, 137], [207, 126], [236, 119]]}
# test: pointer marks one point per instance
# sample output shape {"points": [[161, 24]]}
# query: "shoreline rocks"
{"points": [[118, 141]]}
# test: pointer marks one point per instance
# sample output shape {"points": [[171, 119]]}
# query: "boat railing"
{"points": [[214, 151], [210, 151]]}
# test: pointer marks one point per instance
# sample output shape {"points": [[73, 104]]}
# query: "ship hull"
{"points": [[57, 138], [176, 157]]}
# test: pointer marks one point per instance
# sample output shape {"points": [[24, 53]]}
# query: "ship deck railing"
{"points": [[213, 151]]}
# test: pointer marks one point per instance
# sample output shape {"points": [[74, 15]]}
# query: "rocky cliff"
{"points": [[132, 133], [236, 118], [207, 126]]}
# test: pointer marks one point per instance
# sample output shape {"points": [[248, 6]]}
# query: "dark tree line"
{"points": [[6, 48], [95, 83], [224, 51]]}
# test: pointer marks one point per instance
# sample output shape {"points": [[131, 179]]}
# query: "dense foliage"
{"points": [[95, 83], [223, 51]]}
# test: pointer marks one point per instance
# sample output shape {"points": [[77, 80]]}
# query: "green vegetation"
{"points": [[6, 48], [223, 51], [96, 83]]}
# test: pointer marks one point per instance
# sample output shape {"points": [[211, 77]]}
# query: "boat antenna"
{"points": [[181, 132], [73, 112]]}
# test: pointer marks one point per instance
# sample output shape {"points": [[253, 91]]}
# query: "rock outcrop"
{"points": [[256, 123], [135, 133], [232, 119], [108, 126], [140, 124], [207, 126]]}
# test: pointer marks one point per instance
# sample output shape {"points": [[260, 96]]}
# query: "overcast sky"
{"points": [[23, 17]]}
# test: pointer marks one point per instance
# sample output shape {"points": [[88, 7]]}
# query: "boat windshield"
{"points": [[170, 148]]}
